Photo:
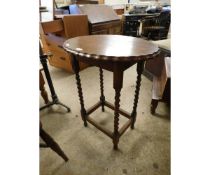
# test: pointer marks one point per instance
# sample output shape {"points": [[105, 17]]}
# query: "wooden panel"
{"points": [[101, 26], [42, 40], [75, 25], [54, 33], [113, 27], [52, 26], [60, 58], [100, 32]]}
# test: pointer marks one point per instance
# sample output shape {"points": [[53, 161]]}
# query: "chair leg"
{"points": [[52, 144], [154, 104], [42, 88]]}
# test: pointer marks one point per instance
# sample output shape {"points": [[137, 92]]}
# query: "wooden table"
{"points": [[114, 53]]}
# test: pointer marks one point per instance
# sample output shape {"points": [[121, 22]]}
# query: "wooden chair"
{"points": [[51, 143], [156, 28], [55, 32]]}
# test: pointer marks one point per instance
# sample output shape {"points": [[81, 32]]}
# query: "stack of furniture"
{"points": [[102, 18], [54, 33]]}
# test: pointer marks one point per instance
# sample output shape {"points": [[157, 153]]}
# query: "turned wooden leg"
{"points": [[154, 104], [52, 144], [42, 88], [102, 98], [140, 67], [118, 82], [76, 68]]}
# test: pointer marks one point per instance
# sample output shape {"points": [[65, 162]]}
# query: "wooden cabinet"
{"points": [[56, 32], [102, 18]]}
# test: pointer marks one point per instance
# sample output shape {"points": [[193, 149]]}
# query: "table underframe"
{"points": [[117, 68]]}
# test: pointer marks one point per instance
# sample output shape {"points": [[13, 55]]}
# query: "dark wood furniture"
{"points": [[42, 88], [102, 18], [131, 23], [55, 101], [50, 143], [114, 53], [156, 28]]}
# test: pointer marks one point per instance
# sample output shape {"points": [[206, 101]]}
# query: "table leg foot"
{"points": [[68, 109], [115, 143], [55, 102], [133, 115], [83, 114]]}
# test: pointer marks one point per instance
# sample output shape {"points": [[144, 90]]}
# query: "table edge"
{"points": [[113, 58]]}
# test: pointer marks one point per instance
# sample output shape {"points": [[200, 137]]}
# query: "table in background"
{"points": [[115, 53]]}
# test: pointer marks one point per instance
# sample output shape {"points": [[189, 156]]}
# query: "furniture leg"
{"points": [[140, 67], [42, 88], [50, 142], [76, 68], [43, 59], [118, 82], [154, 104], [102, 98]]}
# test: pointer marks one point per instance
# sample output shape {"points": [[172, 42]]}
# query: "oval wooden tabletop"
{"points": [[111, 47]]}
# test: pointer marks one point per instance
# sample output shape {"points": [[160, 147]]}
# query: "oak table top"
{"points": [[111, 47]]}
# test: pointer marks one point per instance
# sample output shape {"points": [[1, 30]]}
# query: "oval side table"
{"points": [[114, 53]]}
